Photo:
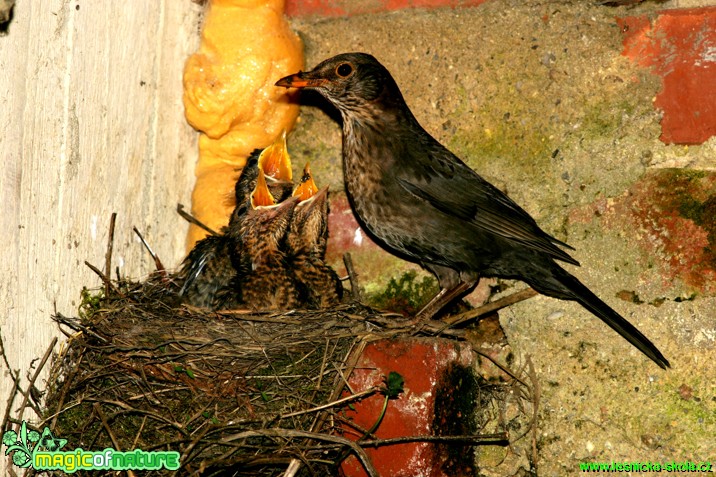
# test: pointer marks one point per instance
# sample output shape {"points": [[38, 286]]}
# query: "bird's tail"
{"points": [[569, 288]]}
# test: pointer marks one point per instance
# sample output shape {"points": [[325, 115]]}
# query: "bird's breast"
{"points": [[375, 195]]}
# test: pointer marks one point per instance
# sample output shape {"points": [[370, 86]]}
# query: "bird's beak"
{"points": [[284, 208], [320, 195], [301, 80], [307, 188], [275, 161], [261, 196]]}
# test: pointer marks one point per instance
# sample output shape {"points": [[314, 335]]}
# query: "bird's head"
{"points": [[267, 222], [275, 163], [350, 81], [309, 227]]}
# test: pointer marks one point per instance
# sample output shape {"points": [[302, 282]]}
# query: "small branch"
{"points": [[356, 293], [360, 453], [157, 263], [105, 279], [13, 392], [65, 390], [73, 324], [499, 438], [346, 399], [115, 442], [292, 468], [26, 394], [504, 368], [193, 220], [489, 307], [536, 391], [108, 254]]}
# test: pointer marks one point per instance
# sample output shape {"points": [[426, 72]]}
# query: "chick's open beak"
{"points": [[301, 80], [307, 188], [261, 196], [275, 161]]}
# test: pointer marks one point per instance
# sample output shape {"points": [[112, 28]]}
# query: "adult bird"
{"points": [[421, 202]]}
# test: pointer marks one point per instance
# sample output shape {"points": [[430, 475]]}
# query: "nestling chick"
{"points": [[209, 271], [264, 277], [208, 275], [318, 283], [276, 164]]}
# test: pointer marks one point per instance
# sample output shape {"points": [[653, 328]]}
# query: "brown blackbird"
{"points": [[209, 270], [423, 203], [318, 284], [264, 278]]}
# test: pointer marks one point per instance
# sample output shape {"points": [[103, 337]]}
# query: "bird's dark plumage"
{"points": [[208, 276], [423, 203]]}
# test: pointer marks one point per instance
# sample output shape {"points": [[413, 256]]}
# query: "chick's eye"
{"points": [[344, 70]]}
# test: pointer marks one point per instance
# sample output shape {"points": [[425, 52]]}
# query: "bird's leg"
{"points": [[453, 285], [443, 297]]}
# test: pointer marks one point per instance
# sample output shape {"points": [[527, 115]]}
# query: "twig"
{"points": [[504, 368], [139, 432], [105, 279], [499, 438], [489, 307], [356, 293], [115, 442], [360, 453], [65, 390], [13, 392], [157, 262], [339, 382], [108, 255], [350, 398], [72, 324], [26, 394], [293, 467], [535, 405], [193, 220]]}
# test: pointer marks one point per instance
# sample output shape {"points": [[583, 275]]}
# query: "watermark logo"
{"points": [[43, 452]]}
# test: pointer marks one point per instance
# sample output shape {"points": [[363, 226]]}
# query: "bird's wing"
{"points": [[454, 189], [195, 263]]}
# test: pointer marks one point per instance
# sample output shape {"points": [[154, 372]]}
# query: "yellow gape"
{"points": [[230, 97]]}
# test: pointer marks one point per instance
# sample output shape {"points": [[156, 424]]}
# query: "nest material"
{"points": [[167, 377], [237, 393]]}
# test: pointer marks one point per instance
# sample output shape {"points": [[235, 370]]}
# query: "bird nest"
{"points": [[142, 371], [235, 392]]}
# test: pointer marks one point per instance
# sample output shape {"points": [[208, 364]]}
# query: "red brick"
{"points": [[671, 215], [680, 46], [424, 364]]}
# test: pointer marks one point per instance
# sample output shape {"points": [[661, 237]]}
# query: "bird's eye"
{"points": [[344, 70]]}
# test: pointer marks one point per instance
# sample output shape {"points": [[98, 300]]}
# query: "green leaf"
{"points": [[394, 385]]}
